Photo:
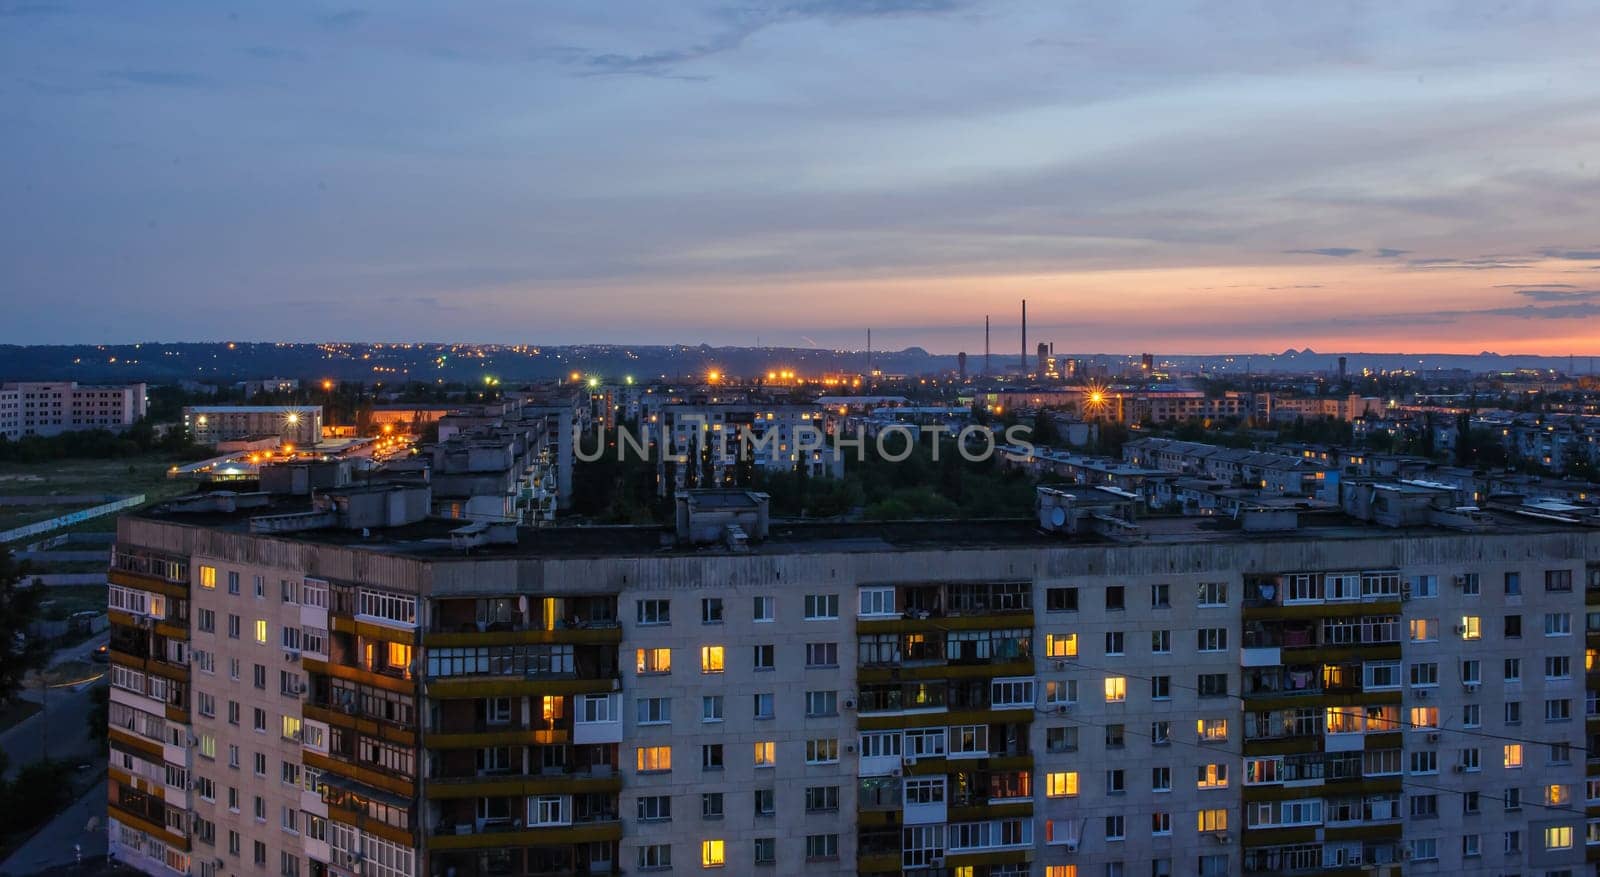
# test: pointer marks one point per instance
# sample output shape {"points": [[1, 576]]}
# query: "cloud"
{"points": [[31, 10], [346, 18], [1480, 263], [1386, 253], [1549, 294], [158, 78], [1575, 255], [1335, 252], [1298, 286]]}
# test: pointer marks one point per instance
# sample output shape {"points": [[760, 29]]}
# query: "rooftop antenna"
{"points": [[1023, 362], [869, 353], [986, 344]]}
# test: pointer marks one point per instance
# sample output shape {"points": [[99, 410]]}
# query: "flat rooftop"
{"points": [[431, 537]]}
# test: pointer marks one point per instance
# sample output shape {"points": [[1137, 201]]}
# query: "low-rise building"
{"points": [[46, 408]]}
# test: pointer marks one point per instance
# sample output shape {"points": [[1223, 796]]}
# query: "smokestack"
{"points": [[986, 343], [1024, 360]]}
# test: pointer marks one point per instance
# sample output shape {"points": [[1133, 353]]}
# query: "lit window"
{"points": [[1212, 776], [208, 577], [1116, 689], [1558, 837], [1513, 755], [711, 854], [1212, 730], [654, 660], [261, 631], [1212, 820], [1556, 795], [1470, 628], [291, 727], [1061, 784], [711, 659], [766, 753], [654, 758], [1061, 871], [1061, 645]]}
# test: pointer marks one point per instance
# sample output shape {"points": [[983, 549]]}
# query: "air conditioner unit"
{"points": [[895, 772], [850, 748], [1222, 837], [1469, 687], [1461, 580], [291, 655], [936, 862], [1072, 846], [909, 760], [1460, 629], [1433, 736], [1422, 693], [1058, 665], [849, 703], [1063, 709], [1460, 768]]}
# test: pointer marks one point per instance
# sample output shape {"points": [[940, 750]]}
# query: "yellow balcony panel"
{"points": [[358, 674], [1314, 611], [1378, 831], [361, 822], [986, 857], [1283, 746], [131, 742], [133, 820], [366, 725], [980, 812], [492, 786], [172, 631], [153, 584], [878, 863], [866, 675], [372, 630], [513, 737], [378, 779], [890, 721], [1281, 793], [599, 832], [1261, 837]]}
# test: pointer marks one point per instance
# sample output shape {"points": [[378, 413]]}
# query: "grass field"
{"points": [[146, 475], [62, 601]]}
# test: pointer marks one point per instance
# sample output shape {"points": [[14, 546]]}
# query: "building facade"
{"points": [[976, 699], [46, 408], [298, 425]]}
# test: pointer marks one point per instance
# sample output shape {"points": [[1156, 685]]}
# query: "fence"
{"points": [[71, 518]]}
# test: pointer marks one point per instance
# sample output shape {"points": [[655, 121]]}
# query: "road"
{"points": [[53, 846], [62, 727]]}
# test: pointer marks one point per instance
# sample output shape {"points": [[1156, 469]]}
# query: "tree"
{"points": [[20, 651]]}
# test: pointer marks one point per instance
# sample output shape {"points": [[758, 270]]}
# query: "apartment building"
{"points": [[299, 425], [47, 408], [710, 440], [356, 688]]}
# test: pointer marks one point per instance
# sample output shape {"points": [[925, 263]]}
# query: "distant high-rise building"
{"points": [[1147, 362], [961, 364], [1043, 354], [1342, 365]]}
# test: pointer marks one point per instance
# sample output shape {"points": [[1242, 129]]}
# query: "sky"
{"points": [[1194, 177]]}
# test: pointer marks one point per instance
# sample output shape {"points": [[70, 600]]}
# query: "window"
{"points": [[711, 805], [1161, 687], [877, 602], [1558, 580], [1116, 597], [711, 756], [652, 612], [291, 727], [1211, 776], [822, 846], [1212, 639], [1160, 779], [654, 759], [1061, 784], [1161, 642], [763, 659], [1470, 627], [763, 705], [821, 607], [766, 802], [1512, 757], [766, 753], [655, 857], [1160, 596], [1424, 629], [1512, 799], [766, 850], [1116, 828], [1558, 837], [1212, 730], [822, 703], [1116, 781], [711, 708], [1116, 689], [711, 610], [1513, 669], [1512, 627], [1061, 645], [1213, 684], [822, 655], [651, 661], [824, 799], [653, 711], [1114, 642], [1061, 600], [1469, 584], [711, 854], [1513, 712], [233, 627], [1471, 716], [1160, 823], [1557, 667], [1212, 594], [1423, 762], [1513, 584], [1557, 709], [1211, 820], [822, 750], [711, 659], [208, 577], [1557, 624], [1160, 733], [1116, 736], [1424, 674], [762, 610], [387, 607]]}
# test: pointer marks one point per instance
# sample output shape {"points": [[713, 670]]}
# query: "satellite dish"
{"points": [[1058, 516]]}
